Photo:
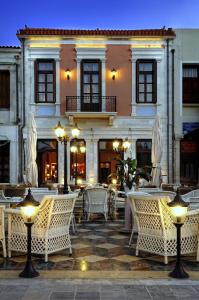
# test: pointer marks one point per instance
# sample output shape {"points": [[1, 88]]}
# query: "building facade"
{"points": [[111, 84], [186, 105], [10, 113]]}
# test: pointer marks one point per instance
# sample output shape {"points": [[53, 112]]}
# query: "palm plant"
{"points": [[129, 174]]}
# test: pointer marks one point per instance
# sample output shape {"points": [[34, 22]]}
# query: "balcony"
{"points": [[92, 107]]}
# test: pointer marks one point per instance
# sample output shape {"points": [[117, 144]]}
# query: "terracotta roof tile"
{"points": [[100, 32], [10, 47]]}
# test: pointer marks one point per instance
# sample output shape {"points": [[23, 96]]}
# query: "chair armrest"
{"points": [[12, 211]]}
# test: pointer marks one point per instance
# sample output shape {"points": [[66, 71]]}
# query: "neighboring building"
{"points": [[186, 105], [111, 83], [10, 114]]}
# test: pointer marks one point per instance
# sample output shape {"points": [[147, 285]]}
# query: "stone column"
{"points": [[13, 162]]}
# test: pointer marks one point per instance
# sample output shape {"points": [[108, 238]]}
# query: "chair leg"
{"points": [[131, 237], [4, 248], [137, 251], [105, 216], [46, 257], [88, 216], [197, 255], [9, 253], [166, 260], [73, 223]]}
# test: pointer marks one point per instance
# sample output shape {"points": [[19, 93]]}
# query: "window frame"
{"points": [[192, 99], [37, 72], [5, 103], [90, 73], [154, 81], [137, 151]]}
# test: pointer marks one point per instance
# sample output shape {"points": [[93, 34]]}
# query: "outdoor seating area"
{"points": [[85, 231]]}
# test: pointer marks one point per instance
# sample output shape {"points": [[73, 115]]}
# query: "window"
{"points": [[143, 150], [47, 161], [190, 83], [91, 85], [45, 81], [4, 161], [108, 159], [146, 81], [4, 89]]}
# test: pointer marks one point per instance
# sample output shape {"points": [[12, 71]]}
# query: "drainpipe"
{"points": [[173, 117], [168, 108], [21, 146]]}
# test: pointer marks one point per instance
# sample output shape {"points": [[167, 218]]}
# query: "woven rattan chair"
{"points": [[156, 231], [96, 201], [2, 230], [50, 232], [193, 198]]}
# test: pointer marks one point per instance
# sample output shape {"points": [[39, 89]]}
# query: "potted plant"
{"points": [[128, 174]]}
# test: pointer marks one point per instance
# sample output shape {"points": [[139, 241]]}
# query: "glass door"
{"points": [[91, 85]]}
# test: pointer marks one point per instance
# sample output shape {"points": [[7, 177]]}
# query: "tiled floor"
{"points": [[99, 246]]}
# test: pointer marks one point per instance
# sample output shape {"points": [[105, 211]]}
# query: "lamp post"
{"points": [[121, 148], [29, 208], [63, 138], [179, 213], [76, 147]]}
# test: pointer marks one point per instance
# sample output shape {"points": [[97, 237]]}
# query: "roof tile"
{"points": [[100, 32]]}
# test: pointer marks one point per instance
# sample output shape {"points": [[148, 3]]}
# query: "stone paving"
{"points": [[100, 247], [102, 267], [37, 289]]}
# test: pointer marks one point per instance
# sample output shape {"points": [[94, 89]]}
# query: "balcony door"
{"points": [[91, 85]]}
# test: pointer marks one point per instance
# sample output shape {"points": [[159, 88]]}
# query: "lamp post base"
{"points": [[179, 272], [29, 271]]}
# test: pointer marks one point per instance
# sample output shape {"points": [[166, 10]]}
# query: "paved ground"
{"points": [[102, 250], [38, 289]]}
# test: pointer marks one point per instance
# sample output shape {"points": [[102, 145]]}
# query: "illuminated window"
{"points": [[47, 161], [78, 159], [146, 81]]}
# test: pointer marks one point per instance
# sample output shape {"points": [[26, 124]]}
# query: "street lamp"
{"points": [[29, 209], [179, 212], [76, 147], [62, 137]]}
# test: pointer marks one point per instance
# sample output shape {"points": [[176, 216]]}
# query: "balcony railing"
{"points": [[91, 103]]}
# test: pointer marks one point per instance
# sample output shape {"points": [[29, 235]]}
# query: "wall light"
{"points": [[113, 74], [68, 74]]}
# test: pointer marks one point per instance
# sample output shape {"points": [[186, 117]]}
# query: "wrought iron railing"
{"points": [[91, 103]]}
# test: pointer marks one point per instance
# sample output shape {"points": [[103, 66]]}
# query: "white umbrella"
{"points": [[156, 152], [31, 152]]}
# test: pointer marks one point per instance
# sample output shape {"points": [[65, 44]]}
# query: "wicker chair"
{"points": [[156, 231], [96, 201], [193, 198], [2, 230], [50, 232]]}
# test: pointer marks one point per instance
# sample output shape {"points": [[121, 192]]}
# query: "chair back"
{"points": [[96, 199], [152, 214], [170, 194], [55, 213]]}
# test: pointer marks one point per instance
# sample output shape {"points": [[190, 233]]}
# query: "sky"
{"points": [[90, 14]]}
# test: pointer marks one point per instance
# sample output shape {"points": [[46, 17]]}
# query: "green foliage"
{"points": [[129, 174]]}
